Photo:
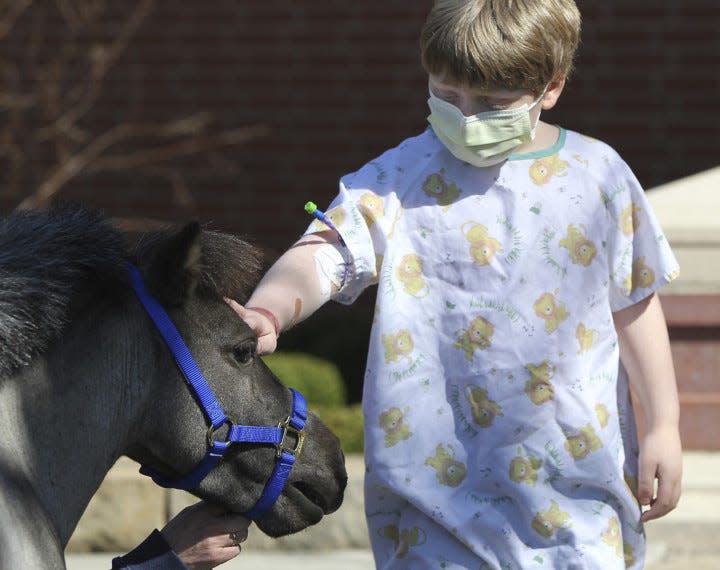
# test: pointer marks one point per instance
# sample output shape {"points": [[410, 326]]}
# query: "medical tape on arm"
{"points": [[332, 265]]}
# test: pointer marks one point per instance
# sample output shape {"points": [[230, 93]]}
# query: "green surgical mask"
{"points": [[484, 139]]}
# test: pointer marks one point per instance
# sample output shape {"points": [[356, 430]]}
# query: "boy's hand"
{"points": [[661, 459], [261, 325]]}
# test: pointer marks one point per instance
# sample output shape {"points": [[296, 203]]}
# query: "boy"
{"points": [[516, 265]]}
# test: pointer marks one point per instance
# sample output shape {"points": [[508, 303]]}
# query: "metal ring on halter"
{"points": [[212, 429]]}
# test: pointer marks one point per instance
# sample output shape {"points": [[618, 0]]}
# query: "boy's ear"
{"points": [[553, 92]]}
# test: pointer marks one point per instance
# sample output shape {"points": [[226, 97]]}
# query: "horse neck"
{"points": [[76, 407]]}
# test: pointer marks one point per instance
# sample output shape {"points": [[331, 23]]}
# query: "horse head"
{"points": [[190, 272], [85, 377]]}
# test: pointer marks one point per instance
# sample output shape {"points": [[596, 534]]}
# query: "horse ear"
{"points": [[172, 269]]}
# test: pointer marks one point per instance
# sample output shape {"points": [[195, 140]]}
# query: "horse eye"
{"points": [[244, 353]]}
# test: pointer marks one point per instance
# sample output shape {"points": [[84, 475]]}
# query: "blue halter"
{"points": [[294, 425]]}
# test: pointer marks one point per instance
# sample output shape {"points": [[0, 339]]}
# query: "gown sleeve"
{"points": [[365, 213], [641, 260]]}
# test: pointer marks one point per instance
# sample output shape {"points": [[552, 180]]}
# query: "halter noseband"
{"points": [[292, 428]]}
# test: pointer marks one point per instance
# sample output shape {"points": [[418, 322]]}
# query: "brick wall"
{"points": [[336, 82], [648, 73]]}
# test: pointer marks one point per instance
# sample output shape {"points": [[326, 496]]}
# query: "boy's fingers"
{"points": [[649, 515], [261, 325], [237, 307], [266, 344], [668, 495], [657, 510], [646, 481], [258, 322]]}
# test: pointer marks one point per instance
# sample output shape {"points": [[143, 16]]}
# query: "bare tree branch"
{"points": [[181, 193], [180, 149], [73, 165], [67, 11], [88, 158], [9, 101], [78, 12], [102, 61], [13, 13], [60, 92]]}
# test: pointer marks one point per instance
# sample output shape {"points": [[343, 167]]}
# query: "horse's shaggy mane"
{"points": [[44, 255], [52, 260]]}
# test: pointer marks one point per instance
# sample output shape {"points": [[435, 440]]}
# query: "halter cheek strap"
{"points": [[287, 437]]}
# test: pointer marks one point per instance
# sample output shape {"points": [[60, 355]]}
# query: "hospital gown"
{"points": [[498, 426]]}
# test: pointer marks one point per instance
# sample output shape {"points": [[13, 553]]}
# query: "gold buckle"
{"points": [[283, 445]]}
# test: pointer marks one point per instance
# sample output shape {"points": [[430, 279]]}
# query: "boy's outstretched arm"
{"points": [[289, 292], [645, 354]]}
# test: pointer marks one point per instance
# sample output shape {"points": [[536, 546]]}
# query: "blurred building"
{"points": [[141, 107], [689, 211], [333, 82]]}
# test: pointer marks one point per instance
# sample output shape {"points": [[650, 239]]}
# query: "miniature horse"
{"points": [[85, 377]]}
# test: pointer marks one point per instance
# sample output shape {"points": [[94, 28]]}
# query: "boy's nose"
{"points": [[467, 108], [470, 107]]}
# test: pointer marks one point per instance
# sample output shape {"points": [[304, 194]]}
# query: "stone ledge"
{"points": [[123, 511], [687, 211]]}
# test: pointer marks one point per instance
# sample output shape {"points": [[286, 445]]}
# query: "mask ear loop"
{"points": [[540, 97], [534, 104]]}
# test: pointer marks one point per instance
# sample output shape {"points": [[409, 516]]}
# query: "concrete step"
{"points": [[683, 546]]}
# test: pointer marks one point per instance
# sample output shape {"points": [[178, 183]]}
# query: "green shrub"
{"points": [[346, 423], [321, 383], [317, 379], [340, 334]]}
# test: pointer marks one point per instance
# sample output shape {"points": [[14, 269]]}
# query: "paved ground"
{"points": [[689, 546], [333, 560], [671, 547]]}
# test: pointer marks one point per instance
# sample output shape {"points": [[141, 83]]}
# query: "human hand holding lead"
{"points": [[205, 536]]}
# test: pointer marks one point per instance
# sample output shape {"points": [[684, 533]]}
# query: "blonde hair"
{"points": [[512, 44]]}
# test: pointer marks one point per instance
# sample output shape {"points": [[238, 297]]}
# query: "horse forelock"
{"points": [[48, 261], [228, 265], [223, 265]]}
